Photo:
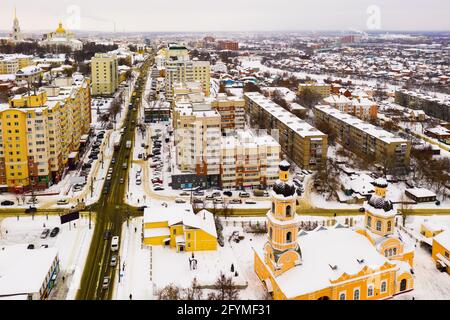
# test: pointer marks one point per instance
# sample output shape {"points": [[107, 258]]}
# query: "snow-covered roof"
{"points": [[175, 213], [444, 239], [421, 193], [23, 271], [346, 250]]}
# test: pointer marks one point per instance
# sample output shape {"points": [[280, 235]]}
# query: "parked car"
{"points": [[185, 194], [244, 194], [180, 201], [54, 232], [30, 247], [45, 233], [216, 194], [7, 203], [115, 243], [250, 202], [62, 202], [158, 189], [228, 193], [199, 193], [218, 201], [236, 201], [138, 182], [156, 181], [122, 180]]}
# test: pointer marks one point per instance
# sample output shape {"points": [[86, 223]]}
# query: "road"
{"points": [[111, 211]]}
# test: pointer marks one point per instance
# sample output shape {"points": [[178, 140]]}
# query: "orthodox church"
{"points": [[336, 263], [62, 37]]}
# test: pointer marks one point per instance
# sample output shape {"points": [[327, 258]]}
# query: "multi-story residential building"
{"points": [[249, 160], [364, 138], [228, 45], [438, 107], [232, 111], [323, 89], [362, 108], [11, 63], [301, 142], [38, 134], [197, 140], [31, 75], [105, 74], [180, 68]]}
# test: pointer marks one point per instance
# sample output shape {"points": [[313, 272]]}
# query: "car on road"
{"points": [[107, 235], [109, 177], [105, 283], [113, 261], [124, 166], [115, 243], [113, 161], [7, 203], [54, 232], [45, 233], [62, 202], [110, 170], [122, 180]]}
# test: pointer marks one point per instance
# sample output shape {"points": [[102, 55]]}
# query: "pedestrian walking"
{"points": [[131, 296]]}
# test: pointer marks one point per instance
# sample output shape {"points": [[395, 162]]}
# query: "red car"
{"points": [[157, 181]]}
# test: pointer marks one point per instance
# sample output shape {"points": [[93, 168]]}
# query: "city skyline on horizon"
{"points": [[363, 16]]}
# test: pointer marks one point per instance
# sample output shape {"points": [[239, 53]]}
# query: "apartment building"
{"points": [[437, 107], [301, 142], [362, 108], [323, 89], [249, 160], [11, 63], [105, 74], [197, 141], [366, 139], [38, 134], [231, 110], [180, 68], [228, 45]]}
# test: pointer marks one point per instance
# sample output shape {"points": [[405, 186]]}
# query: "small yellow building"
{"points": [[177, 226], [441, 251], [430, 230], [325, 264]]}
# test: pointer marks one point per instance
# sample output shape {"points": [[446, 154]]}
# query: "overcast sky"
{"points": [[228, 15]]}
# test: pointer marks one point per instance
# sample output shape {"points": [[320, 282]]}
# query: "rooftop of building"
{"points": [[365, 127], [301, 127], [24, 271]]}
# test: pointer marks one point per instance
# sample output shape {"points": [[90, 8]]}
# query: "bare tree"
{"points": [[405, 208], [170, 292], [194, 292], [225, 289]]}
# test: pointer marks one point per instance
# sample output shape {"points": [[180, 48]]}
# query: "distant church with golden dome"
{"points": [[61, 37], [337, 263]]}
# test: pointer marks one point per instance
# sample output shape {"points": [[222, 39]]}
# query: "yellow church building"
{"points": [[177, 226], [335, 263]]}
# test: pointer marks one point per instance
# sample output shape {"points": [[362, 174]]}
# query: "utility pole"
{"points": [[92, 187], [89, 218]]}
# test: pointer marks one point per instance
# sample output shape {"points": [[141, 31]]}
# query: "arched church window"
{"points": [[389, 226], [395, 251], [378, 225], [273, 208], [369, 221], [390, 252], [288, 211], [386, 253], [289, 237]]}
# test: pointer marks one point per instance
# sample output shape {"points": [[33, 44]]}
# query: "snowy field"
{"points": [[72, 242]]}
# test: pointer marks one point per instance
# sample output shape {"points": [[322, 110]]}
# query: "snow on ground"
{"points": [[72, 242]]}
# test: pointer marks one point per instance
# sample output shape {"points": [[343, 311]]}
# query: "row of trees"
{"points": [[223, 289]]}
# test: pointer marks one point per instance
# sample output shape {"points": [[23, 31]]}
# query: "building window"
{"points": [[273, 208], [370, 291], [174, 231], [389, 226], [270, 233], [390, 252], [356, 294], [288, 211], [369, 221], [394, 251], [383, 286], [378, 225], [289, 237], [342, 296]]}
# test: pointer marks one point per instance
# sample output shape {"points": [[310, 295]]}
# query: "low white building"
{"points": [[27, 273]]}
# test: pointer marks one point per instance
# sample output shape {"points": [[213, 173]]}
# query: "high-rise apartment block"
{"points": [[105, 74]]}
